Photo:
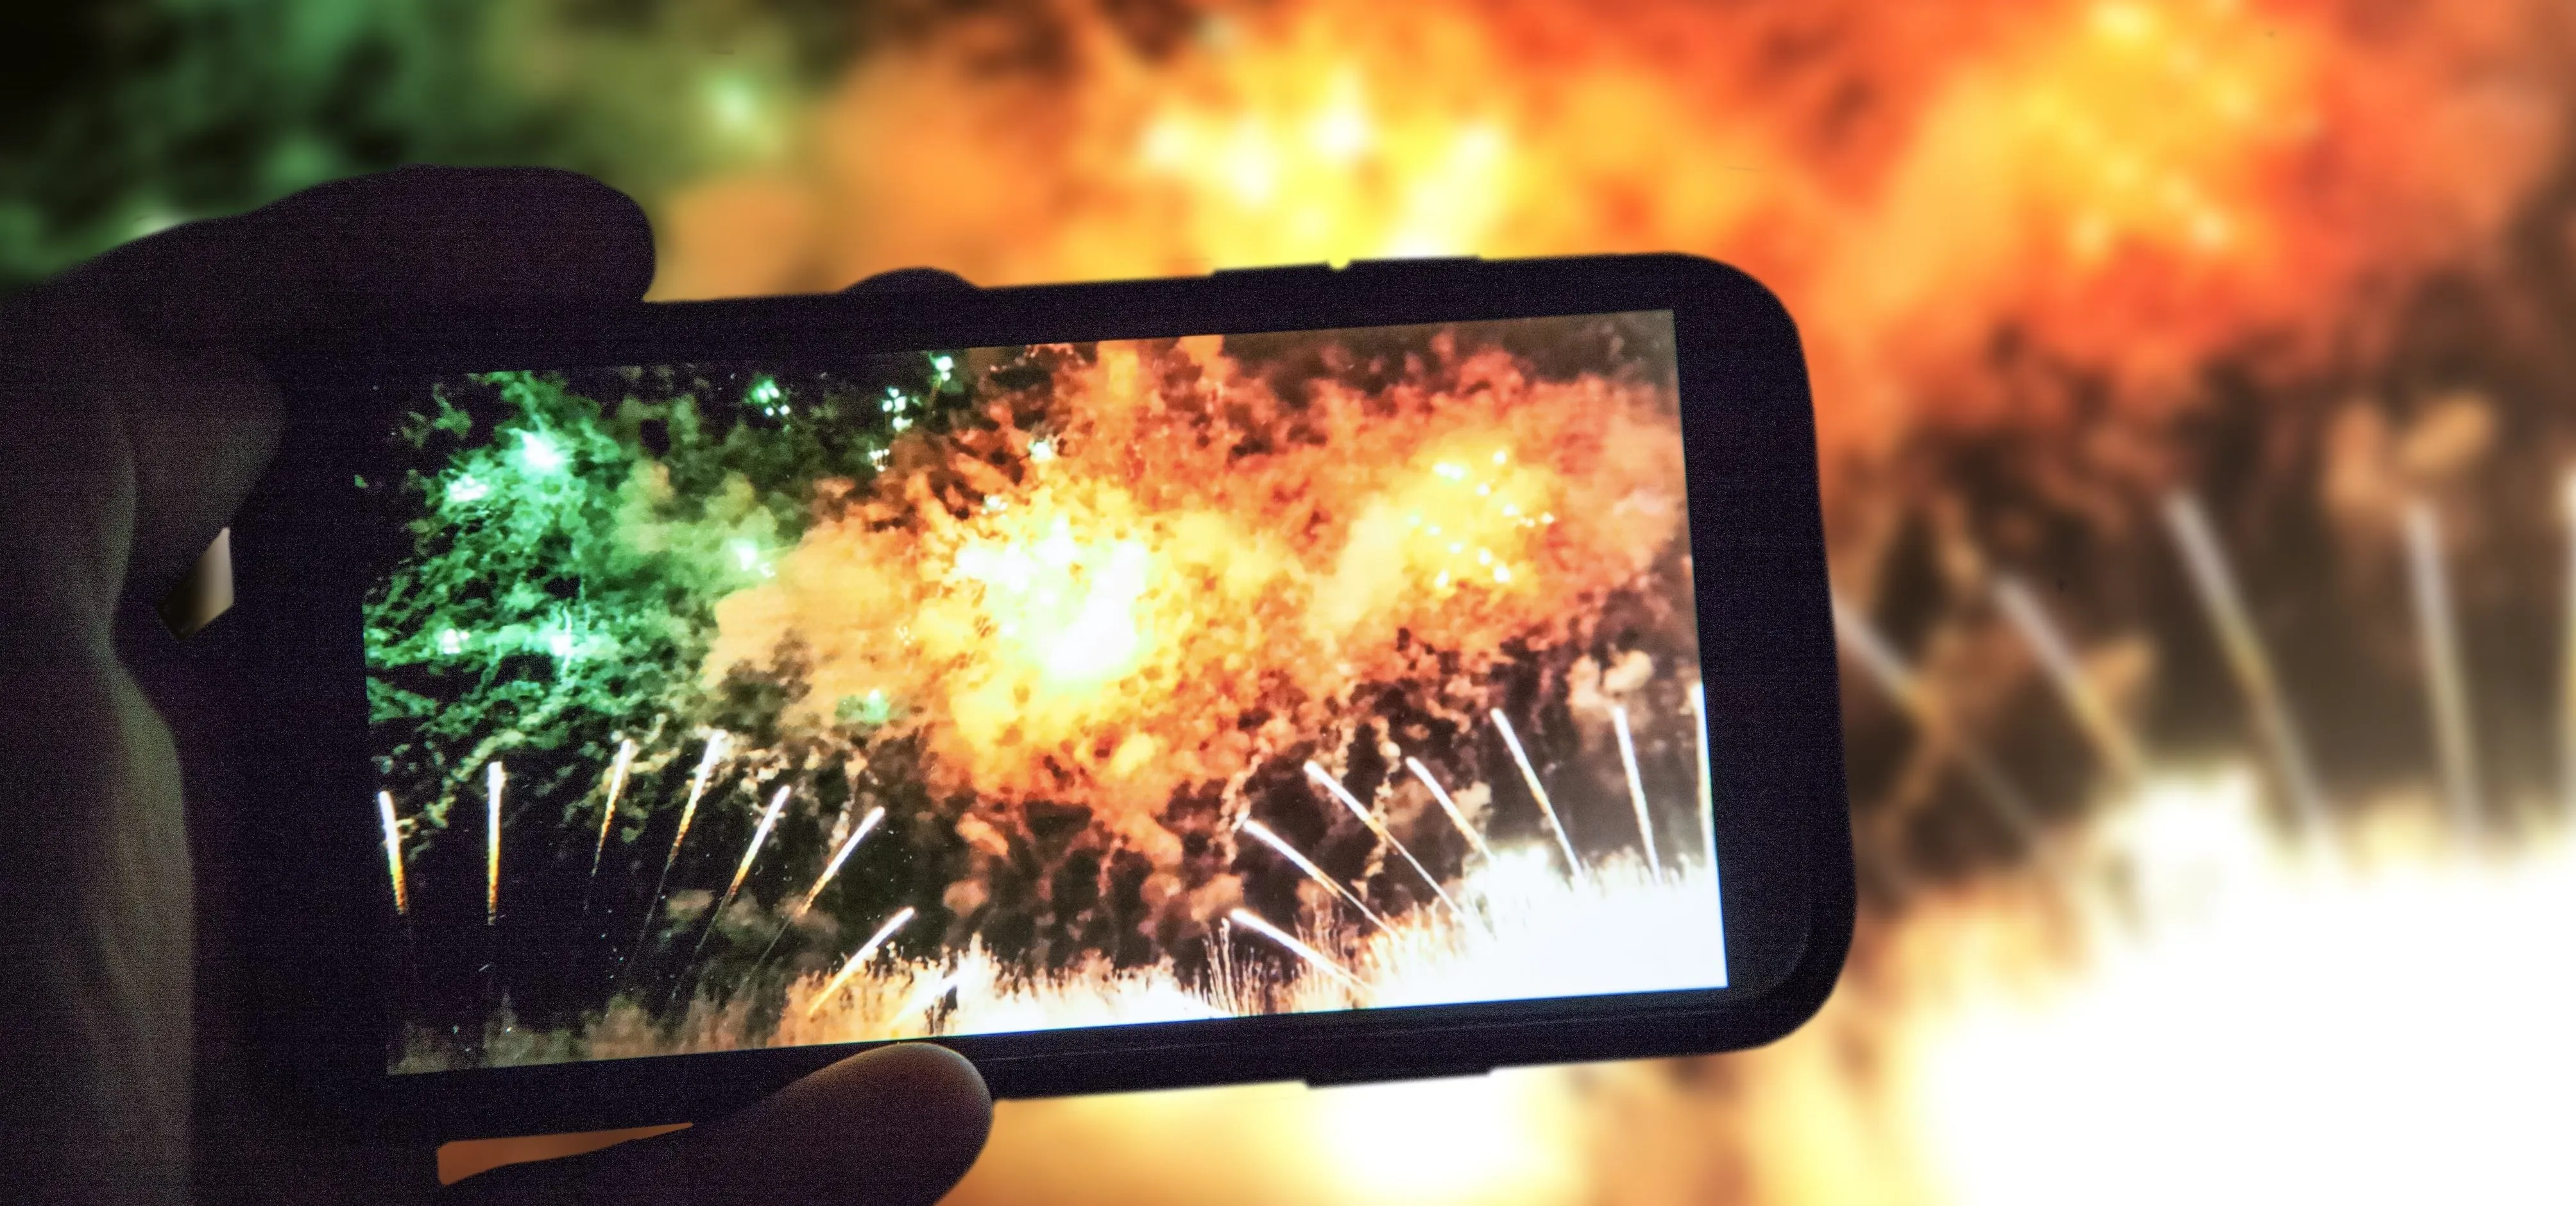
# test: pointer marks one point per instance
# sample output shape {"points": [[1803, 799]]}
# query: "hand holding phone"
{"points": [[1329, 674], [142, 416]]}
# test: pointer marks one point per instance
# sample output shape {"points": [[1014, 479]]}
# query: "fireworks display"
{"points": [[2301, 267], [1116, 645]]}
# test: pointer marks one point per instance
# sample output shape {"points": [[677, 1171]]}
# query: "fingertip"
{"points": [[939, 1087], [474, 234], [894, 1124]]}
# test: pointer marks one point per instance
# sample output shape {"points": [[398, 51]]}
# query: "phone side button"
{"points": [[1276, 271], [1432, 1072], [1416, 261]]}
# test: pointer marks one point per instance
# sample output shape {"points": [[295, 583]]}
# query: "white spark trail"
{"points": [[393, 851], [1324, 779], [1314, 958], [768, 820], [1636, 787], [1919, 704], [2243, 646], [758, 836], [858, 958], [2093, 713], [697, 791], [1286, 851], [716, 742], [1547, 807], [2440, 634], [830, 869], [494, 779], [1449, 806], [617, 772]]}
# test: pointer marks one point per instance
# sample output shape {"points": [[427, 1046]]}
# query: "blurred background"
{"points": [[2197, 385]]}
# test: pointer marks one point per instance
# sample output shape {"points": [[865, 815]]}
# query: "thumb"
{"points": [[894, 1126]]}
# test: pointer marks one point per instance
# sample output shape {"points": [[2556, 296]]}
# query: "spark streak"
{"points": [[1529, 775], [2245, 655], [758, 835], [1919, 704], [1286, 851], [393, 851], [767, 821], [1636, 787], [697, 789], [1449, 806], [1324, 779], [858, 958], [1314, 958], [494, 779], [2448, 681], [2093, 713], [608, 815], [830, 869]]}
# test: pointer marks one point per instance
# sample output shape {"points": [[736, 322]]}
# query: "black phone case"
{"points": [[308, 851]]}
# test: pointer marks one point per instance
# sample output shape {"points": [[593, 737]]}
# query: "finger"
{"points": [[417, 238], [896, 1126], [162, 332]]}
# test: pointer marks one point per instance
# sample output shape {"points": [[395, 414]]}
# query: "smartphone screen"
{"points": [[720, 706]]}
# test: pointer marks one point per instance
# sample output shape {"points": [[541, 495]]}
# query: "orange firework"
{"points": [[1092, 613], [2127, 185]]}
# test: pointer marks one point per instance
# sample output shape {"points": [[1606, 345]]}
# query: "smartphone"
{"points": [[1322, 673]]}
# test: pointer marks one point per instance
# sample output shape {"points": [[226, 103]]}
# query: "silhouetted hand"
{"points": [[134, 419]]}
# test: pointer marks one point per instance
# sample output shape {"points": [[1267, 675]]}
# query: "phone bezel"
{"points": [[1767, 646]]}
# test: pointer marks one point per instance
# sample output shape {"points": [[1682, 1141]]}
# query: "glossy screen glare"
{"points": [[721, 706]]}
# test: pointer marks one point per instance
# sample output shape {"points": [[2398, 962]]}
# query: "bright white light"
{"points": [[540, 453], [467, 488], [2287, 1028], [451, 641], [744, 552]]}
